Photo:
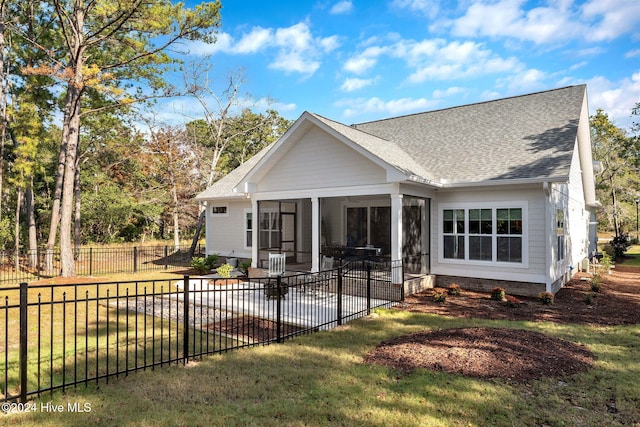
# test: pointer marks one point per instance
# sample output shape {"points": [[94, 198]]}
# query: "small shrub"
{"points": [[225, 271], [453, 289], [202, 264], [199, 264], [498, 294], [513, 301], [588, 298], [596, 286], [546, 298], [439, 295], [244, 266]]}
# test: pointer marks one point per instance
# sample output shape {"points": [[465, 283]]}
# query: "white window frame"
{"points": [[247, 229], [218, 205], [561, 239], [494, 206]]}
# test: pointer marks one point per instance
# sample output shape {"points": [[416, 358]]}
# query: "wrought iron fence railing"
{"points": [[30, 265], [59, 336]]}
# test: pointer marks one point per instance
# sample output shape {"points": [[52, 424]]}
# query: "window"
{"points": [[560, 235], [453, 230], [509, 229], [219, 210], [248, 229], [485, 234]]}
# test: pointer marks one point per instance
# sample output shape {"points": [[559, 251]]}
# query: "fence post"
{"points": [[135, 259], [278, 309], [368, 288], [90, 261], [166, 257], [185, 305], [24, 291], [38, 262], [339, 307]]}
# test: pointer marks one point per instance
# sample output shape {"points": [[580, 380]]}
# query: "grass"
{"points": [[320, 380], [632, 256]]}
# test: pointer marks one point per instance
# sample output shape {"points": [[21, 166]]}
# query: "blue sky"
{"points": [[361, 60]]}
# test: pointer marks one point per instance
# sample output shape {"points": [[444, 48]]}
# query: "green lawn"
{"points": [[633, 255], [320, 380]]}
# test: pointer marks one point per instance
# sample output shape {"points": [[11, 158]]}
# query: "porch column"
{"points": [[396, 234], [315, 234], [254, 232]]}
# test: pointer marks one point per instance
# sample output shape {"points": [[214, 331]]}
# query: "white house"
{"points": [[498, 193]]}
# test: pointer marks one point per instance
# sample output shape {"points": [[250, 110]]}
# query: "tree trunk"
{"points": [[66, 205], [616, 223], [57, 195], [17, 230], [176, 229], [76, 219], [196, 236], [33, 235]]}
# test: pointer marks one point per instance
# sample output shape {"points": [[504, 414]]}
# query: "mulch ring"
{"points": [[515, 355]]}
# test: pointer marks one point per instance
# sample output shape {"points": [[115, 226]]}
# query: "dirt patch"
{"points": [[517, 356], [512, 354], [251, 329], [617, 303]]}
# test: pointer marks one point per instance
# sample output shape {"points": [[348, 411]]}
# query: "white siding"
{"points": [[532, 198], [226, 234], [579, 216], [320, 161]]}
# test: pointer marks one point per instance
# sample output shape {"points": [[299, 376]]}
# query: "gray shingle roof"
{"points": [[524, 137]]}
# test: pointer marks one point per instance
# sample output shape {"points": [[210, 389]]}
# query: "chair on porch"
{"points": [[320, 287], [276, 269]]}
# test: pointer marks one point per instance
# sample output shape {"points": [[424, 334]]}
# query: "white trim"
{"points": [[524, 205]]}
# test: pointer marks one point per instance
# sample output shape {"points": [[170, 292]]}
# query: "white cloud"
{"points": [[632, 53], [253, 42], [454, 90], [612, 18], [429, 8], [615, 98], [296, 49], [341, 7], [394, 107], [352, 84], [556, 22]]}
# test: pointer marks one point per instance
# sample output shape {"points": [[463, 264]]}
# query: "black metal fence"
{"points": [[61, 336], [29, 265]]}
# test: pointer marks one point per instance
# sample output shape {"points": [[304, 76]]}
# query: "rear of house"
{"points": [[499, 193]]}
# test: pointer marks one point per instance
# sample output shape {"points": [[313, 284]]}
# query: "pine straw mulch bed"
{"points": [[513, 354]]}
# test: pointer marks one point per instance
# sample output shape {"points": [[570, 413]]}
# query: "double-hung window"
{"points": [[560, 235], [483, 234]]}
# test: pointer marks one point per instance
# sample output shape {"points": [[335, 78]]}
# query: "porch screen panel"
{"points": [[356, 227], [380, 228]]}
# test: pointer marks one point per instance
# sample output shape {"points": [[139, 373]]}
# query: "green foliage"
{"points": [[498, 294], [439, 295], [589, 298], [619, 154], [546, 298], [453, 289], [225, 270], [244, 266], [204, 264]]}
